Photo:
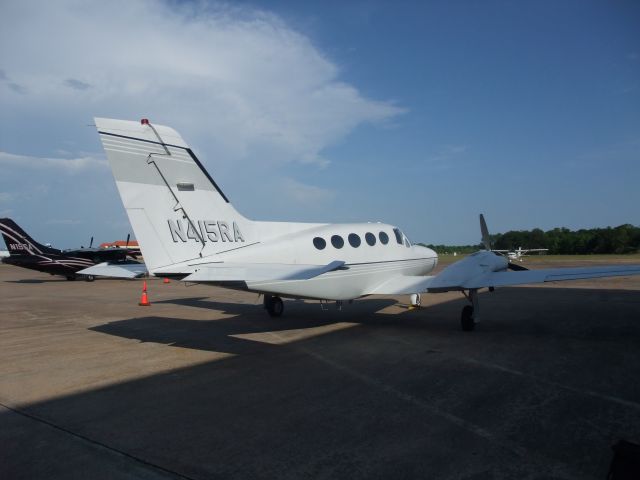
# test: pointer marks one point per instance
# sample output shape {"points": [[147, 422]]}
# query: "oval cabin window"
{"points": [[337, 241], [319, 243], [370, 238]]}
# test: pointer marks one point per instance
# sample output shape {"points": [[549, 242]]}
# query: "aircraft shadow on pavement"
{"points": [[402, 395], [221, 335], [37, 280], [556, 313]]}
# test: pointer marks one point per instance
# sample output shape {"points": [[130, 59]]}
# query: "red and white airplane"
{"points": [[188, 229]]}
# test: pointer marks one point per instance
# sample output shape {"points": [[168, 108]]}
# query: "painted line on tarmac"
{"points": [[590, 393], [95, 443]]}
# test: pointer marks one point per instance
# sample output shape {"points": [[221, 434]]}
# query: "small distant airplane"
{"points": [[25, 252], [520, 252], [188, 229]]}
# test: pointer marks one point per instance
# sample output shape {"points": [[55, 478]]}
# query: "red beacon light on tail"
{"points": [[144, 121]]}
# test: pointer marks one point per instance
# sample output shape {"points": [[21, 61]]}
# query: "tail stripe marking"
{"points": [[165, 145], [141, 140], [19, 238]]}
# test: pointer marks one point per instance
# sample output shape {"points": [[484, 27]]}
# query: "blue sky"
{"points": [[421, 114]]}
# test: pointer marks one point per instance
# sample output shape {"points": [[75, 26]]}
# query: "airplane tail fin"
{"points": [[19, 242], [486, 238], [176, 209]]}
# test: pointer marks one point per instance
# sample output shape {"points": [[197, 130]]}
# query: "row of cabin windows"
{"points": [[354, 240]]}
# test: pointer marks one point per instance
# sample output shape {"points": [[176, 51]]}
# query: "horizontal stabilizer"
{"points": [[116, 270], [258, 272]]}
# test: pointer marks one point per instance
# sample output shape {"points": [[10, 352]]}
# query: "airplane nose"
{"points": [[424, 251]]}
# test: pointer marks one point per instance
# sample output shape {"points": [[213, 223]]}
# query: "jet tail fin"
{"points": [[19, 242]]}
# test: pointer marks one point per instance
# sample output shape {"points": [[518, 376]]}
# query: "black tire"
{"points": [[466, 319], [89, 278], [71, 278], [274, 306]]}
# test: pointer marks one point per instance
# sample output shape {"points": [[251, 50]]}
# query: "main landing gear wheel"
{"points": [[89, 278], [467, 321], [71, 278], [274, 305]]}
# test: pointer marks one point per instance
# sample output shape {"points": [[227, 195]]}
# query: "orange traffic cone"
{"points": [[166, 280], [144, 300]]}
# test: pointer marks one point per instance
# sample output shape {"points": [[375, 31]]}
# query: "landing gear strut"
{"points": [[273, 305], [415, 300], [470, 313]]}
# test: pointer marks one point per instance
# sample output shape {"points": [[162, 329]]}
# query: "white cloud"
{"points": [[69, 165], [447, 156], [238, 81], [63, 221], [306, 194], [253, 97]]}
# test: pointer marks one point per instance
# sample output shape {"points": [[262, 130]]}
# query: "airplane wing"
{"points": [[501, 279], [116, 270], [445, 281], [257, 272]]}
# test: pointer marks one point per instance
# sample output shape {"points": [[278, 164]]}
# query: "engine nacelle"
{"points": [[474, 265]]}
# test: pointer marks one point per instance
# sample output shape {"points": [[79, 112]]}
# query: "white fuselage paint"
{"points": [[366, 266]]}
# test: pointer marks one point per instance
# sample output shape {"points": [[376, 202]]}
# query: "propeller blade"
{"points": [[91, 243], [127, 244], [515, 267], [486, 239]]}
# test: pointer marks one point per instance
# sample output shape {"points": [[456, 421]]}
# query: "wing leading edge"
{"points": [[406, 285], [501, 279]]}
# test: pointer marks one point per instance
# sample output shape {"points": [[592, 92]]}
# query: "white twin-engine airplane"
{"points": [[187, 229], [520, 252]]}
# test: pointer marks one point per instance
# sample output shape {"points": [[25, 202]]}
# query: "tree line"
{"points": [[622, 239]]}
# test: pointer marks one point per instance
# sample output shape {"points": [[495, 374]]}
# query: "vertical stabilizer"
{"points": [[486, 238], [176, 209], [19, 242]]}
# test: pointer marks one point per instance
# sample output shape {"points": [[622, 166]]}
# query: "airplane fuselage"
{"points": [[49, 263], [372, 252]]}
